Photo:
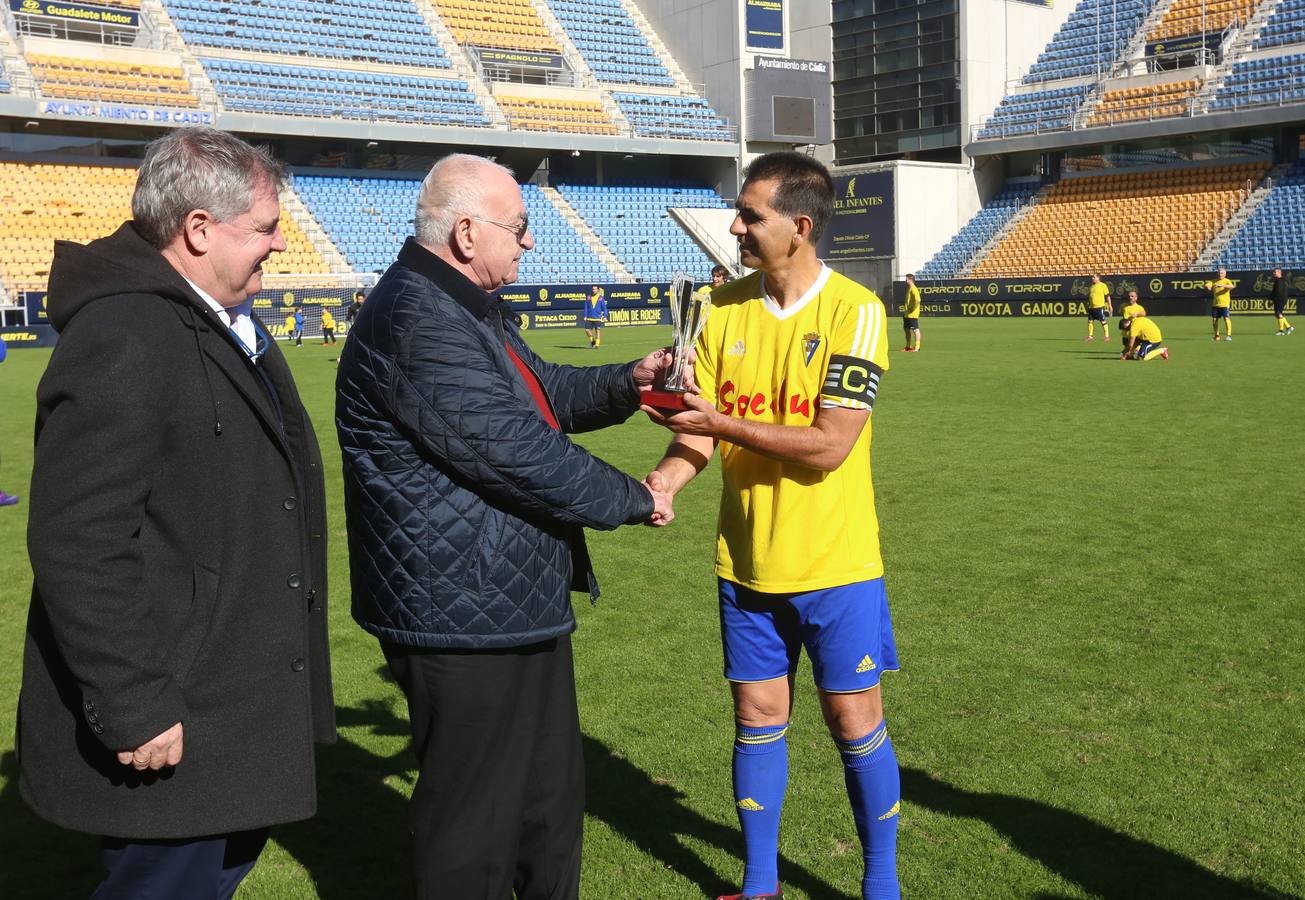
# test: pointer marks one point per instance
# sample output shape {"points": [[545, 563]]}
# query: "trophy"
{"points": [[688, 316]]}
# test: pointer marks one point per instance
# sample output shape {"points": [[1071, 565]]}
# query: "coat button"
{"points": [[90, 707], [290, 503], [92, 718], [294, 580], [98, 728], [296, 664]]}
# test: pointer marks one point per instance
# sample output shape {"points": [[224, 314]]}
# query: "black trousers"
{"points": [[197, 869], [499, 802]]}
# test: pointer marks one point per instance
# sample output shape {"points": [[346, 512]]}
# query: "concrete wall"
{"points": [[999, 40]]}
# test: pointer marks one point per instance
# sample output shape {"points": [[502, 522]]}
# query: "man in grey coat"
{"points": [[175, 676]]}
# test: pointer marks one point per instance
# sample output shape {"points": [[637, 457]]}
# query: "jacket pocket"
{"points": [[194, 634]]}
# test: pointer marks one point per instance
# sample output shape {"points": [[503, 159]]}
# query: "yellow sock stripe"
{"points": [[761, 738], [873, 743]]}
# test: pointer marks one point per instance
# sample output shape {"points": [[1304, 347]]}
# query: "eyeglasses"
{"points": [[518, 230]]}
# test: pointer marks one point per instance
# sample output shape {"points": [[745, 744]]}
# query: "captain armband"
{"points": [[850, 382]]}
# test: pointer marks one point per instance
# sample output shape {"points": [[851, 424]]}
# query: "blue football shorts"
{"points": [[1096, 313], [846, 630], [1218, 312]]}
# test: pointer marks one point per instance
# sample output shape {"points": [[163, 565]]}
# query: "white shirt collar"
{"points": [[237, 318], [793, 309]]}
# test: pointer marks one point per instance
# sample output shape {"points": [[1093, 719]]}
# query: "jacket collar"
{"points": [[458, 286]]}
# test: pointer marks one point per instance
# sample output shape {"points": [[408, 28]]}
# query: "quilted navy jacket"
{"points": [[465, 508]]}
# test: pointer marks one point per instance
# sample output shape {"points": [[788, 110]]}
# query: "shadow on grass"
{"points": [[41, 860], [653, 816], [1103, 862], [357, 844]]}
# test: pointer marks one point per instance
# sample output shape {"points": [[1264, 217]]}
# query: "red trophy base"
{"points": [[671, 401]]}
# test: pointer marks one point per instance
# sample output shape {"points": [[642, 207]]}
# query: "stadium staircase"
{"points": [[584, 75], [663, 54], [462, 64], [1235, 50], [171, 40], [1088, 107], [1254, 200], [1135, 52], [312, 229], [569, 215], [1011, 224], [13, 66]]}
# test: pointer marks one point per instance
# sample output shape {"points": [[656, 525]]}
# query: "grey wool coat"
{"points": [[178, 546]]}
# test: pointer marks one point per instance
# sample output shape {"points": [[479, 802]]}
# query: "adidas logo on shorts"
{"points": [[867, 664]]}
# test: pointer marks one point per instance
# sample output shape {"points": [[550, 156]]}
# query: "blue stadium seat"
{"points": [[1091, 39], [1048, 110], [612, 45], [1258, 82], [1285, 26], [978, 231], [658, 115], [1272, 236]]}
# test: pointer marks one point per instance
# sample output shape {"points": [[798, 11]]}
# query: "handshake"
{"points": [[663, 499]]}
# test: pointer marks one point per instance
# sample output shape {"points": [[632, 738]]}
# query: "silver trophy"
{"points": [[688, 316]]}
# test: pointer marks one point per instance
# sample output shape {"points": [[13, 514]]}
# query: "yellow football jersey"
{"points": [[1222, 291], [911, 309], [785, 527], [1097, 294], [1145, 329], [1132, 310]]}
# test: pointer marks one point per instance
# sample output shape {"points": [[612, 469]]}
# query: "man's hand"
{"points": [[698, 417], [164, 750], [651, 371], [663, 512]]}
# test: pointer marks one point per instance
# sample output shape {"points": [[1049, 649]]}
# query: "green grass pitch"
{"points": [[1096, 579]]}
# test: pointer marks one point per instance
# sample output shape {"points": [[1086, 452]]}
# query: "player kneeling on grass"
{"points": [[1144, 340]]}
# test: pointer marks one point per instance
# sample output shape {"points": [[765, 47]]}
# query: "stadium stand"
{"points": [[508, 24], [322, 92], [369, 218], [1090, 40], [633, 221], [1272, 236], [658, 115], [110, 81], [612, 45], [42, 202], [1048, 110], [545, 114], [1152, 102], [1285, 26], [948, 262], [1257, 82], [391, 32], [1155, 221], [1184, 17]]}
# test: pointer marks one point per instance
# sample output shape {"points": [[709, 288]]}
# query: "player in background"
{"points": [[595, 316], [911, 316], [299, 326], [1221, 307], [1129, 311], [788, 366], [1099, 307], [328, 327], [1279, 296], [1144, 340], [290, 325]]}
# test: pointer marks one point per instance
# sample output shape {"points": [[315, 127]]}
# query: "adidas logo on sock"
{"points": [[737, 349], [747, 803], [866, 665], [892, 812]]}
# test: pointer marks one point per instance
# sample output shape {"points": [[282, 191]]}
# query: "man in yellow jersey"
{"points": [[1099, 306], [1144, 339], [1222, 287], [911, 316], [1129, 311], [787, 369]]}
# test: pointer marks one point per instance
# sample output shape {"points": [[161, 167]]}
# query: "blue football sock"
{"points": [[760, 778], [875, 788]]}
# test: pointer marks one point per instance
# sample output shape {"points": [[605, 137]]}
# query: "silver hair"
{"points": [[447, 193], [198, 168]]}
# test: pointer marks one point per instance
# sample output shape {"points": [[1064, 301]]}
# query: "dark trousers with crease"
{"points": [[499, 803], [208, 868]]}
